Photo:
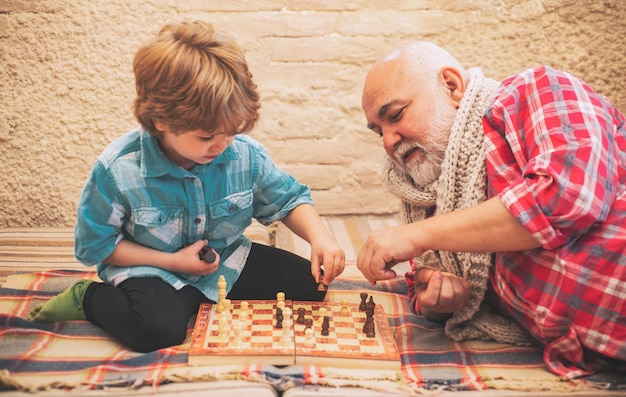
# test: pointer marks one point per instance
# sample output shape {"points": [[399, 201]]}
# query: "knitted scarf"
{"points": [[462, 184]]}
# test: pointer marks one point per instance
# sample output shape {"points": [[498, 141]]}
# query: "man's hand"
{"points": [[384, 249], [440, 292]]}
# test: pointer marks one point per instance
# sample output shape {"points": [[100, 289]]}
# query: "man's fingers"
{"points": [[429, 296]]}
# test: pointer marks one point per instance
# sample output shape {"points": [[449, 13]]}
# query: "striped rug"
{"points": [[38, 263]]}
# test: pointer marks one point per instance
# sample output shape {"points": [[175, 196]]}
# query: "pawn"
{"points": [[344, 307], [322, 311], [237, 328], [326, 326], [280, 299], [320, 284], [300, 318], [309, 340], [243, 312], [279, 317]]}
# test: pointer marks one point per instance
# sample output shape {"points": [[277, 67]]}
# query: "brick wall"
{"points": [[66, 84]]}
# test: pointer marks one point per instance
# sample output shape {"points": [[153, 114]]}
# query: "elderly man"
{"points": [[514, 198]]}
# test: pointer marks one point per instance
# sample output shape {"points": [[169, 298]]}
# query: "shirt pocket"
{"points": [[159, 227], [229, 216]]}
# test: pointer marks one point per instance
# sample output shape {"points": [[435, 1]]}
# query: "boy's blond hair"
{"points": [[192, 77]]}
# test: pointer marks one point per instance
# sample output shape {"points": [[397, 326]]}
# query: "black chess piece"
{"points": [[370, 307], [300, 318], [368, 327], [279, 317], [363, 302], [208, 255], [326, 326]]}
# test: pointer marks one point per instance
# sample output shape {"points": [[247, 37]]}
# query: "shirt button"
{"points": [[198, 220]]}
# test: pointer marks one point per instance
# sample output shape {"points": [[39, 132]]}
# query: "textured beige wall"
{"points": [[66, 84]]}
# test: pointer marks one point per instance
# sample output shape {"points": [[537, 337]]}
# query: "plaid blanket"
{"points": [[77, 354]]}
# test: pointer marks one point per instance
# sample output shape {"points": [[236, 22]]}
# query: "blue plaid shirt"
{"points": [[136, 193]]}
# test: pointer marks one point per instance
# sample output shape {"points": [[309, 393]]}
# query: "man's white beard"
{"points": [[427, 171]]}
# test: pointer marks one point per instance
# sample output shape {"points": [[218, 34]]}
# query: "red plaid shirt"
{"points": [[556, 157]]}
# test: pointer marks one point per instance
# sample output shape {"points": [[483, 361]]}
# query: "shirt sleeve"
{"points": [[550, 155], [276, 192], [99, 220]]}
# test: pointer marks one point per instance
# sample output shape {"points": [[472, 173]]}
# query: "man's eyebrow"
{"points": [[383, 109], [381, 113]]}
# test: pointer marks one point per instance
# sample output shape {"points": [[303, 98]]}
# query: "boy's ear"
{"points": [[455, 84], [158, 125]]}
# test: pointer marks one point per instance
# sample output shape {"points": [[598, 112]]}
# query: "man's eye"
{"points": [[397, 115], [207, 138]]}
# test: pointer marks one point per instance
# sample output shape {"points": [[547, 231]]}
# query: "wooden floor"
{"points": [[37, 249]]}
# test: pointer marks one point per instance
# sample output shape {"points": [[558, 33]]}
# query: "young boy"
{"points": [[187, 179]]}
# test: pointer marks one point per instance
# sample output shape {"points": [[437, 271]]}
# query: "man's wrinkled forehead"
{"points": [[380, 84]]}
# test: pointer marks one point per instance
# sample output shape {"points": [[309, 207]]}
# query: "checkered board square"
{"points": [[346, 344], [260, 341]]}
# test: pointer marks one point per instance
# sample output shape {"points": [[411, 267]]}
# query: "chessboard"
{"points": [[249, 332]]}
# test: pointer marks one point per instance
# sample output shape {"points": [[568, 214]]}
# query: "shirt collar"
{"points": [[154, 163]]}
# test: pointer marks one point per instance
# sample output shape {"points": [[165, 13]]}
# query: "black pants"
{"points": [[147, 314]]}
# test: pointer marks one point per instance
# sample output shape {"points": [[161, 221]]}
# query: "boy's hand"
{"points": [[440, 292], [190, 259], [326, 253]]}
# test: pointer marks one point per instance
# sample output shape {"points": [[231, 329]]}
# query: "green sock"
{"points": [[68, 305]]}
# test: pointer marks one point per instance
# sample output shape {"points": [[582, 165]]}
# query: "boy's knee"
{"points": [[150, 337]]}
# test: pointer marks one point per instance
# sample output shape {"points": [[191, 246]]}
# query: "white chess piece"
{"points": [[243, 312], [237, 328], [309, 340], [280, 300], [322, 312], [344, 307], [222, 330], [287, 336], [221, 293]]}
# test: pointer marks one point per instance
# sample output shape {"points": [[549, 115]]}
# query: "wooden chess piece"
{"points": [[370, 307], [320, 283], [326, 326], [363, 301], [309, 340], [208, 255], [279, 317], [322, 311], [345, 310], [221, 293], [243, 312], [368, 327], [280, 298], [300, 318]]}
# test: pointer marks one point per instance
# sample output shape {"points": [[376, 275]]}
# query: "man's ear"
{"points": [[455, 84]]}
